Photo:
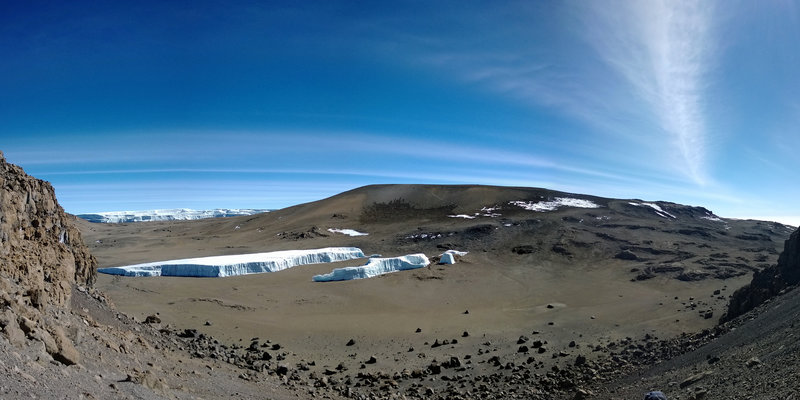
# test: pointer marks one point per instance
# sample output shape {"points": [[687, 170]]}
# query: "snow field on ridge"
{"points": [[660, 211], [543, 206]]}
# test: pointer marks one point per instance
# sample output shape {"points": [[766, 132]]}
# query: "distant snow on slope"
{"points": [[173, 214], [375, 267], [348, 232], [465, 216], [543, 206], [241, 264], [656, 207]]}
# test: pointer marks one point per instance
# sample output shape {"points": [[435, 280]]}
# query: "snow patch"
{"points": [[241, 264], [543, 206], [429, 236], [348, 232], [656, 207], [375, 267], [484, 212]]}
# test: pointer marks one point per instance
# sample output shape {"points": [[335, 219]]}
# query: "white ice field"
{"points": [[374, 267], [243, 264]]}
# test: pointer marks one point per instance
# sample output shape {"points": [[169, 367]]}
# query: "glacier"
{"points": [[173, 214], [240, 264], [375, 267], [449, 256]]}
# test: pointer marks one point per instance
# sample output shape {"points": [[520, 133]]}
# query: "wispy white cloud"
{"points": [[664, 50], [635, 72]]}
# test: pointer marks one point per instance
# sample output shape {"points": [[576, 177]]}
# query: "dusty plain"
{"points": [[556, 277]]}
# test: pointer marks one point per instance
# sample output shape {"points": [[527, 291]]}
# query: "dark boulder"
{"points": [[626, 255]]}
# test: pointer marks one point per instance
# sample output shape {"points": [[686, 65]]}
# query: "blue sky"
{"points": [[266, 104]]}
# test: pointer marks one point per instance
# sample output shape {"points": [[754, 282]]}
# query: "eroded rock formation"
{"points": [[42, 256]]}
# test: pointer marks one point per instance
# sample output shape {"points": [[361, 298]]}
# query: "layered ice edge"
{"points": [[240, 264]]}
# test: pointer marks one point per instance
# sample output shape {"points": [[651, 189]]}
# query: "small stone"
{"points": [[372, 360], [753, 362], [465, 334], [694, 379], [350, 342]]}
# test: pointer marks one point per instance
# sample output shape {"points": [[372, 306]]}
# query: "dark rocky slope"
{"points": [[752, 354], [768, 282]]}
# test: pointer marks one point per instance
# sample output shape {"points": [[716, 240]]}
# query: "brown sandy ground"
{"points": [[548, 277]]}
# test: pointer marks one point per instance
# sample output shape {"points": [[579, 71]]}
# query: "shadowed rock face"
{"points": [[770, 281], [41, 253]]}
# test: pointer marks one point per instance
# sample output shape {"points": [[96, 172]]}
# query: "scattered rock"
{"points": [[753, 362], [626, 255], [350, 342], [694, 379]]}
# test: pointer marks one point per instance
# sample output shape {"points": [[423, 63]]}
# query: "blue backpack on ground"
{"points": [[655, 395]]}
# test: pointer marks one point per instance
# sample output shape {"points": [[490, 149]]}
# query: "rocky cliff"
{"points": [[770, 281], [42, 256]]}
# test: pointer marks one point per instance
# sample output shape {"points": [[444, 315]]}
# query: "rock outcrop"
{"points": [[42, 256], [768, 282]]}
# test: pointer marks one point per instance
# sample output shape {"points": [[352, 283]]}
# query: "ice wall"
{"points": [[375, 267], [449, 256], [241, 264]]}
